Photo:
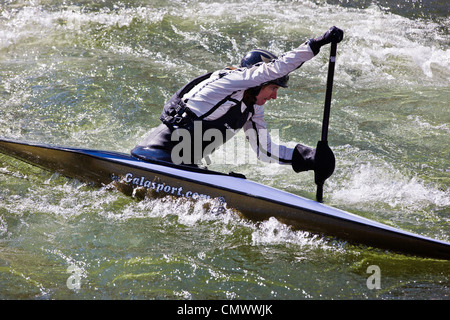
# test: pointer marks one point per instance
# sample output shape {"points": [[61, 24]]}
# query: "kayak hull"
{"points": [[253, 200]]}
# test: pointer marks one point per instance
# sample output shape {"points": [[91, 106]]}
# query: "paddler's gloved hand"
{"points": [[334, 34], [303, 158]]}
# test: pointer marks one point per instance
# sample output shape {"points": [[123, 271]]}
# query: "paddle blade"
{"points": [[324, 164]]}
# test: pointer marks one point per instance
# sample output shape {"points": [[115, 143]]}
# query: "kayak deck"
{"points": [[253, 200]]}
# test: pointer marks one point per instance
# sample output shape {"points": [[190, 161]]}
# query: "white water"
{"points": [[95, 75]]}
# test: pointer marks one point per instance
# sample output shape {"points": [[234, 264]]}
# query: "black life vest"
{"points": [[176, 114]]}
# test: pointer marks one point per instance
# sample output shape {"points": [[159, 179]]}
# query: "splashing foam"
{"points": [[374, 184], [274, 232], [371, 49], [191, 213], [3, 226], [36, 22]]}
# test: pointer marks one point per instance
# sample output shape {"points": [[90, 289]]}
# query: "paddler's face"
{"points": [[267, 93]]}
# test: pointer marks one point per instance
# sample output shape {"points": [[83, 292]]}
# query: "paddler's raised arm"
{"points": [[244, 78], [261, 73]]}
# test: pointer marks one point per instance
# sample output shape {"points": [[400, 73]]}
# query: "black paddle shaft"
{"points": [[325, 161], [326, 112]]}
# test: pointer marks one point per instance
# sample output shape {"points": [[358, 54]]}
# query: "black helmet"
{"points": [[259, 55]]}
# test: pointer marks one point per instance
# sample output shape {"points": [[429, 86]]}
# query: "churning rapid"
{"points": [[96, 75]]}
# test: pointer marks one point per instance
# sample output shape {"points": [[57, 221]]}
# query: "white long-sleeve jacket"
{"points": [[213, 98]]}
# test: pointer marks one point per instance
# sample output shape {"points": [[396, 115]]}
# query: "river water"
{"points": [[95, 74]]}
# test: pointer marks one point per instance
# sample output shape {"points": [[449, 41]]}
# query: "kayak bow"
{"points": [[253, 200]]}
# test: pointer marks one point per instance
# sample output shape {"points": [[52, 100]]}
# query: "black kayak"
{"points": [[253, 200]]}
